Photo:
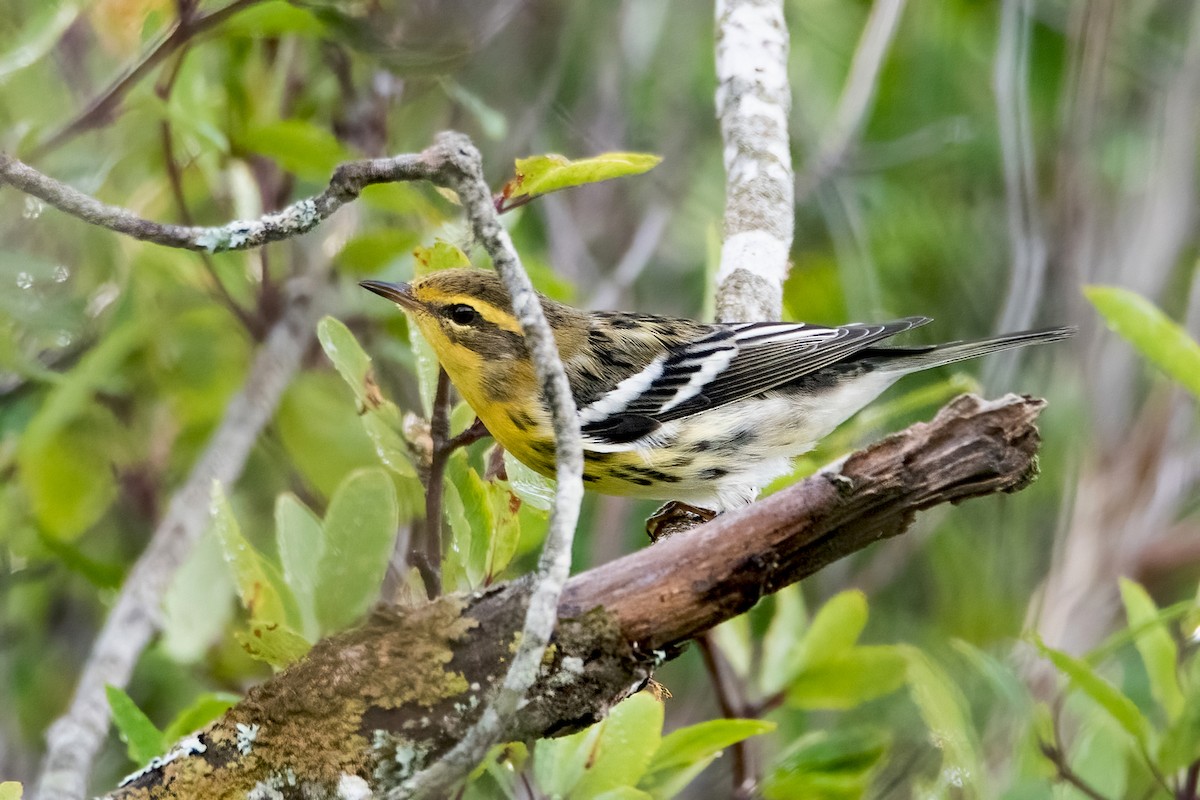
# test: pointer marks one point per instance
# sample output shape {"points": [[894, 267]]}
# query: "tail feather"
{"points": [[905, 359]]}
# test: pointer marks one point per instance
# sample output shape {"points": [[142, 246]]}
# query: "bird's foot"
{"points": [[676, 517]]}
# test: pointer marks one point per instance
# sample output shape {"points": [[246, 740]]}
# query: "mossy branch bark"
{"points": [[368, 708]]}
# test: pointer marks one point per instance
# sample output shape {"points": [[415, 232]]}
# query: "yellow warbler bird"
{"points": [[670, 409]]}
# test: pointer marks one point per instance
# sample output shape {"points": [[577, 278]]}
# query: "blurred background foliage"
{"points": [[1016, 151]]}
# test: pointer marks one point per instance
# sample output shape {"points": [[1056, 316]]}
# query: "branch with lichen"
{"points": [[368, 708]]}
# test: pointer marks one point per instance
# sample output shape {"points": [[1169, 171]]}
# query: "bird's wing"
{"points": [[723, 364]]}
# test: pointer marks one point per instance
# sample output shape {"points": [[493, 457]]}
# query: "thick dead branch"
{"points": [[366, 709]]}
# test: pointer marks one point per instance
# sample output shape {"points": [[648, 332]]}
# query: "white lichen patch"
{"points": [[265, 790], [396, 757], [188, 746], [299, 217], [352, 787], [246, 734]]}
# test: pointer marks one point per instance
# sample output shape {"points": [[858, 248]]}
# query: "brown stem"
{"points": [[1065, 773], [734, 705], [439, 434], [100, 109], [1188, 791]]}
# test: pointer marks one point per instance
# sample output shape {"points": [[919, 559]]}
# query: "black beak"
{"points": [[399, 293]]}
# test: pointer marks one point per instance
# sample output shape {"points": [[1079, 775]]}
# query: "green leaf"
{"points": [[260, 595], [1181, 742], [301, 542], [1155, 646], [349, 359], [360, 530], [199, 603], [273, 19], [683, 754], [848, 679], [472, 534], [782, 638], [532, 487], [442, 255], [946, 714], [736, 642], [1160, 340], [275, 643], [201, 711], [628, 738], [69, 485], [538, 175], [610, 754], [10, 790], [506, 529], [322, 432], [624, 793], [1109, 697], [308, 150], [143, 740], [381, 419], [828, 765]]}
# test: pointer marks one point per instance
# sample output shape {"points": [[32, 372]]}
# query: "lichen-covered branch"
{"points": [[368, 708], [753, 103], [76, 737]]}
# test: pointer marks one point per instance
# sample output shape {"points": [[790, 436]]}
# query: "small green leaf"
{"points": [[1109, 697], [532, 487], [349, 359], [472, 539], [276, 644], [848, 679], [1155, 646], [142, 738], [261, 596], [199, 603], [538, 175], [781, 639], [828, 765], [624, 793], [683, 754], [11, 790], [1181, 742], [310, 151], [273, 19], [1160, 340], [301, 542], [442, 255], [360, 529], [203, 710], [506, 528], [628, 738]]}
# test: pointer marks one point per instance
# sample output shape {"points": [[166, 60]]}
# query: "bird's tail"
{"points": [[906, 359]]}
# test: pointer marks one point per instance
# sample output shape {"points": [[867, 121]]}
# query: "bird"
{"points": [[704, 414]]}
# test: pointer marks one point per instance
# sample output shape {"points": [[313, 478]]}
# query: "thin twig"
{"points": [[733, 705], [186, 28], [1188, 791], [1059, 760], [439, 432], [175, 180], [75, 738]]}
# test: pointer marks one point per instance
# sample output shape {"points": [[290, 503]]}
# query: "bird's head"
{"points": [[464, 314]]}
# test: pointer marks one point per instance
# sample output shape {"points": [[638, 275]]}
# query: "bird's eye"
{"points": [[462, 314]]}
